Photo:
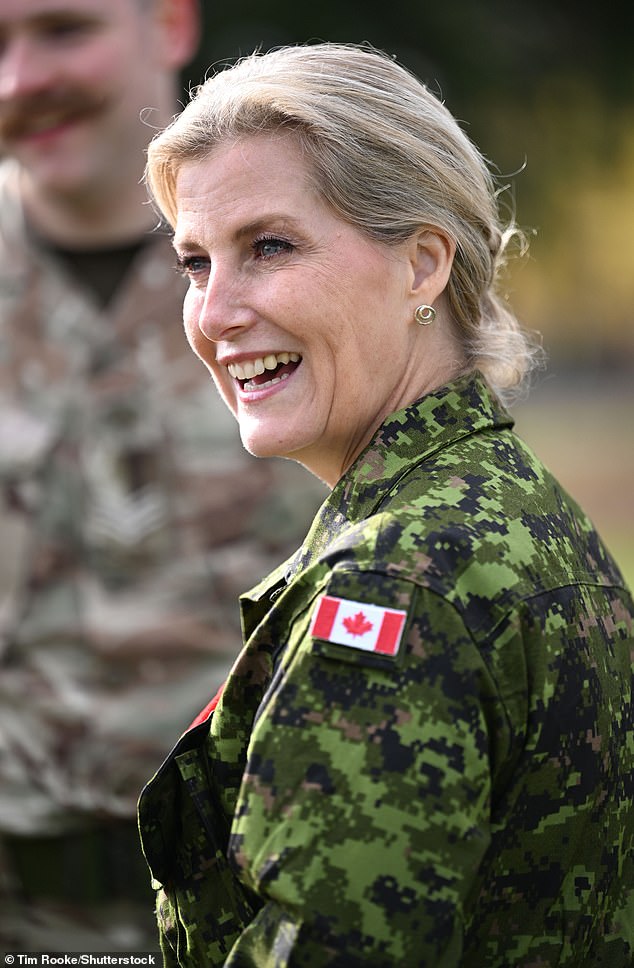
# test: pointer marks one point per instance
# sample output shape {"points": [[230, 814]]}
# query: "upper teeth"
{"points": [[251, 368]]}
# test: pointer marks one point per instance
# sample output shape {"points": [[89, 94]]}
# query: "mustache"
{"points": [[22, 115]]}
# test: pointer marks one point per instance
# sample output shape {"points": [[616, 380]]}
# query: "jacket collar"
{"points": [[408, 437]]}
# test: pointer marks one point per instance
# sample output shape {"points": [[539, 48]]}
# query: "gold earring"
{"points": [[425, 315]]}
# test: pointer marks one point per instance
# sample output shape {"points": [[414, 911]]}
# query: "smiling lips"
{"points": [[254, 374]]}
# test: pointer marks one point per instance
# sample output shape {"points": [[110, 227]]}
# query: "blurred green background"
{"points": [[546, 90]]}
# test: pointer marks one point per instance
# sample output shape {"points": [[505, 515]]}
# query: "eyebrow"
{"points": [[265, 221], [271, 221], [61, 14]]}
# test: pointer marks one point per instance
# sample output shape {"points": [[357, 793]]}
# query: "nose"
{"points": [[24, 70], [223, 313]]}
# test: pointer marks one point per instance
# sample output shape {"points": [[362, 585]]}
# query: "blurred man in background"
{"points": [[127, 524]]}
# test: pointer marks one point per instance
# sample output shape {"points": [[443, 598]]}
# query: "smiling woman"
{"points": [[277, 277], [400, 743]]}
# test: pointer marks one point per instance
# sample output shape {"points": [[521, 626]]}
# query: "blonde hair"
{"points": [[385, 154]]}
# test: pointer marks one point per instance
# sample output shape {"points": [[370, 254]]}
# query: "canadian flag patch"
{"points": [[358, 625]]}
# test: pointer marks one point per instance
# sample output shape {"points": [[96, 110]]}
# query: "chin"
{"points": [[255, 443], [258, 447], [262, 444]]}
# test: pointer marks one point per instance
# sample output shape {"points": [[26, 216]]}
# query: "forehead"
{"points": [[239, 175], [261, 161]]}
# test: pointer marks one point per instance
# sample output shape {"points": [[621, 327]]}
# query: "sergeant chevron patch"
{"points": [[370, 628]]}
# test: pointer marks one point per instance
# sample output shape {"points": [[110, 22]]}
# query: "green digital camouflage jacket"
{"points": [[424, 754]]}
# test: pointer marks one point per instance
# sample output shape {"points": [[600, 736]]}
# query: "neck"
{"points": [[436, 357]]}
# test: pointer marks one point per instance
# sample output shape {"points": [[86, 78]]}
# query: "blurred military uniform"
{"points": [[456, 792], [130, 519]]}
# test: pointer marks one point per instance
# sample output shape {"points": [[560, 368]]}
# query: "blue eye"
{"points": [[191, 265], [269, 246]]}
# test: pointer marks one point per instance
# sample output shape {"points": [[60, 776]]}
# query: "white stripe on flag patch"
{"points": [[358, 625]]}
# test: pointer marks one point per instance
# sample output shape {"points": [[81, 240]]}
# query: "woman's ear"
{"points": [[179, 24], [431, 254]]}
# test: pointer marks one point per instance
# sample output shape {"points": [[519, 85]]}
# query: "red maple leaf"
{"points": [[358, 625]]}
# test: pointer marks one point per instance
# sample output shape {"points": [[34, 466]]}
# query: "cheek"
{"points": [[204, 348], [99, 64], [192, 305], [113, 65]]}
